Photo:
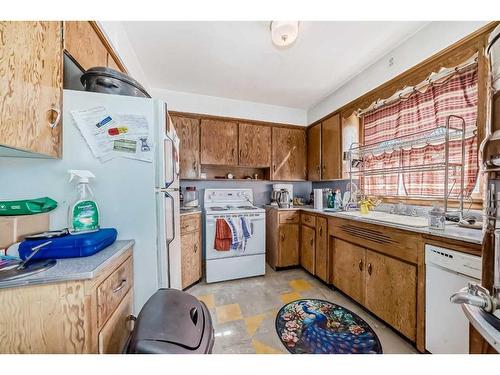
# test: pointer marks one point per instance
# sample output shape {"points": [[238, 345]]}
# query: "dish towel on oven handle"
{"points": [[223, 235], [236, 233], [246, 229]]}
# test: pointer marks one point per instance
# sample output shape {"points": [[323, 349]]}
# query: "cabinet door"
{"points": [[188, 130], [331, 148], [321, 258], [219, 142], [288, 245], [115, 333], [314, 153], [31, 86], [190, 258], [348, 269], [308, 248], [391, 291], [254, 143], [84, 45], [289, 154]]}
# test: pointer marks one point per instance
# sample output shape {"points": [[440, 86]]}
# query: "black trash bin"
{"points": [[172, 322]]}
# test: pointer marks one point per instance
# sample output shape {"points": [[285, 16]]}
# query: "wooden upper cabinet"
{"points": [[111, 63], [31, 86], [391, 292], [188, 130], [84, 45], [254, 143], [289, 154], [314, 153], [219, 142], [331, 148]]}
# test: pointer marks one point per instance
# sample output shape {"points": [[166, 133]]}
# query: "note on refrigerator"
{"points": [[111, 135]]}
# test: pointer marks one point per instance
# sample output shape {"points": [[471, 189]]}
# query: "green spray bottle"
{"points": [[83, 212]]}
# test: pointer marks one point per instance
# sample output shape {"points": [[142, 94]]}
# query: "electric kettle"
{"points": [[284, 198]]}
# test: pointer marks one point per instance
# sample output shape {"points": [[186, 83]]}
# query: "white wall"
{"points": [[426, 42], [117, 36], [217, 106], [195, 103]]}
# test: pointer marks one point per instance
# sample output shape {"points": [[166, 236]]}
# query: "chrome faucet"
{"points": [[476, 295]]}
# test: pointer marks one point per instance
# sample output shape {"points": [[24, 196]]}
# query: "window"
{"points": [[424, 109]]}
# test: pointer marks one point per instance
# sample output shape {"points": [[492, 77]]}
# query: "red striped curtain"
{"points": [[423, 111]]}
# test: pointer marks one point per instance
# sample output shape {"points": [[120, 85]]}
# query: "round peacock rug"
{"points": [[314, 326]]}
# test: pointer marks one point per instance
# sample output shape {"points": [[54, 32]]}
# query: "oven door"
{"points": [[256, 244]]}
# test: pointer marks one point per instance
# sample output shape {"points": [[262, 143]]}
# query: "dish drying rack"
{"points": [[440, 135]]}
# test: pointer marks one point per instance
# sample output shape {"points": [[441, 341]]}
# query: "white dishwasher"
{"points": [[446, 272]]}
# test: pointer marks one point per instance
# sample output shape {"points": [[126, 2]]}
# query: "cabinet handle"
{"points": [[195, 165], [282, 237], [311, 242], [232, 152], [274, 168], [195, 248], [53, 124], [184, 227], [289, 218], [321, 231], [369, 268], [360, 265], [121, 286]]}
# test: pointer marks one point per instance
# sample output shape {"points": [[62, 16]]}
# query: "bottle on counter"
{"points": [[331, 199], [437, 217]]}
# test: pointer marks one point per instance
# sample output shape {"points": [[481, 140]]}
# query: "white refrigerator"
{"points": [[140, 199]]}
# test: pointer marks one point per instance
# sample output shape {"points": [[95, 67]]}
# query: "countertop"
{"points": [[73, 268], [191, 211], [485, 329], [452, 230]]}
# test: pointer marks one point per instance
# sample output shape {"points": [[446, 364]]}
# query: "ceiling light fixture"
{"points": [[284, 33]]}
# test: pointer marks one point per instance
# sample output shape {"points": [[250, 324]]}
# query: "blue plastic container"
{"points": [[70, 246]]}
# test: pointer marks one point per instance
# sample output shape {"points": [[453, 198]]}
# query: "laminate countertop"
{"points": [[191, 211], [451, 231], [73, 268]]}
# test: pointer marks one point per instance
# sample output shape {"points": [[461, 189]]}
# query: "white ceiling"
{"points": [[237, 59]]}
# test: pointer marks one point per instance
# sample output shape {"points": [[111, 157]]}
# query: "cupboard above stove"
{"points": [[217, 146]]}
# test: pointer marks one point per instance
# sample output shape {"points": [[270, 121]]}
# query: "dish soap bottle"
{"points": [[331, 199], [83, 213]]}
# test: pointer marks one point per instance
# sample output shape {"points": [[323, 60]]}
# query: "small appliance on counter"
{"points": [[282, 194], [190, 198]]}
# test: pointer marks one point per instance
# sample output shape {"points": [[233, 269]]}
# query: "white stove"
{"points": [[246, 261]]}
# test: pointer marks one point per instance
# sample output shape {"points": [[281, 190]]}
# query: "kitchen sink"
{"points": [[412, 221]]}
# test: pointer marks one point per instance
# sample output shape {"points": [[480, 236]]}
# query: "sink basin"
{"points": [[412, 221]]}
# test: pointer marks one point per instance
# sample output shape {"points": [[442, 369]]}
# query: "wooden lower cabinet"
{"points": [[308, 248], [282, 238], [115, 333], [62, 317], [191, 251], [288, 245], [321, 256], [391, 292], [349, 269]]}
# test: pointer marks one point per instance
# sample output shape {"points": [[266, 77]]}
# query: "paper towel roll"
{"points": [[318, 199]]}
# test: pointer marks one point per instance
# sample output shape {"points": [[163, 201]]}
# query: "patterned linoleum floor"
{"points": [[243, 311]]}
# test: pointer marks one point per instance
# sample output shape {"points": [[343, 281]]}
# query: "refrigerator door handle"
{"points": [[172, 216], [175, 172]]}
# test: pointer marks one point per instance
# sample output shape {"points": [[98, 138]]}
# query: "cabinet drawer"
{"points": [[116, 331], [289, 217], [308, 220], [190, 223], [112, 290]]}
